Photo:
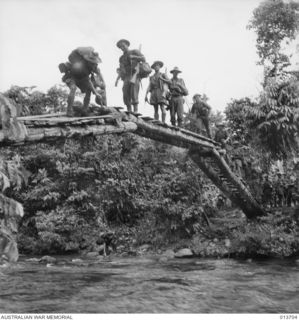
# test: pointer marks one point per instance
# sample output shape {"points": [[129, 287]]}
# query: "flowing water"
{"points": [[139, 284]]}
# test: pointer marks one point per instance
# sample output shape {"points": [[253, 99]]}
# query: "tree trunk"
{"points": [[57, 133]]}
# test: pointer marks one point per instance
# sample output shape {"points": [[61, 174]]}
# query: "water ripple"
{"points": [[139, 285]]}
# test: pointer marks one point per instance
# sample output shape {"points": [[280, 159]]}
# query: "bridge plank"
{"points": [[42, 122], [47, 115]]}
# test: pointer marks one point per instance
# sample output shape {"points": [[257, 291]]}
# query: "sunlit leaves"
{"points": [[235, 112], [275, 22], [33, 102]]}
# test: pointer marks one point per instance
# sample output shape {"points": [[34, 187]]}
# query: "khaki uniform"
{"points": [[81, 71], [177, 91], [127, 67], [156, 88], [202, 110], [220, 137]]}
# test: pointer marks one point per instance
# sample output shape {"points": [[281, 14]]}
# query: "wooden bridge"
{"points": [[205, 152]]}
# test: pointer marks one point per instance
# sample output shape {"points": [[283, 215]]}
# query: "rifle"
{"points": [[164, 86]]}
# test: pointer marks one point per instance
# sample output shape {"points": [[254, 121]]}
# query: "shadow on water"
{"points": [[143, 285], [187, 266], [167, 280]]}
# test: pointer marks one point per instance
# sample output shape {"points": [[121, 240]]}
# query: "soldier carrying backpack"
{"points": [[82, 71], [132, 68]]}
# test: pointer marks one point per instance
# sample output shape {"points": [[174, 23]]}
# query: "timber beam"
{"points": [[44, 134]]}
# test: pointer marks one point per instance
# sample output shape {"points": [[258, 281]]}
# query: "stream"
{"points": [[145, 285]]}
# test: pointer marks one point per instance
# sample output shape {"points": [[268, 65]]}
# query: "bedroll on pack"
{"points": [[84, 53], [144, 70]]}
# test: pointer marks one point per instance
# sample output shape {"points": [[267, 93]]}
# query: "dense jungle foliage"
{"points": [[81, 188], [145, 192]]}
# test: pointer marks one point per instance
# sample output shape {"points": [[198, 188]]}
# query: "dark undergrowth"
{"points": [[143, 191]]}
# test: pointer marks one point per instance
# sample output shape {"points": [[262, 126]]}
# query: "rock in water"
{"points": [[184, 253], [169, 254], [33, 260], [48, 259], [92, 255], [77, 261], [144, 247]]}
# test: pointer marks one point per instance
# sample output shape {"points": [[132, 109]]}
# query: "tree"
{"points": [[56, 98], [33, 102], [275, 120], [235, 113], [30, 102], [276, 23]]}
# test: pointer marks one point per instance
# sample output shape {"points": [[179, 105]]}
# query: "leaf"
{"points": [[4, 182], [10, 207]]}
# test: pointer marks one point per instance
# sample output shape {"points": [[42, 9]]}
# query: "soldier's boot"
{"points": [[135, 108], [180, 123], [129, 108], [163, 117], [172, 120]]}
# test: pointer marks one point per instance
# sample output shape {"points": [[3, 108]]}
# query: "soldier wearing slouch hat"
{"points": [[158, 90], [128, 63]]}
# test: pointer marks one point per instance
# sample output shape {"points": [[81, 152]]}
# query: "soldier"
{"points": [[82, 71], [201, 110], [221, 135], [177, 90], [128, 72], [158, 90]]}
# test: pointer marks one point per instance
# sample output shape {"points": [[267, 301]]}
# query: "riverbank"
{"points": [[229, 235]]}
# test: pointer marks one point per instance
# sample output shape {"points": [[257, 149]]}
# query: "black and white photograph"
{"points": [[149, 159]]}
